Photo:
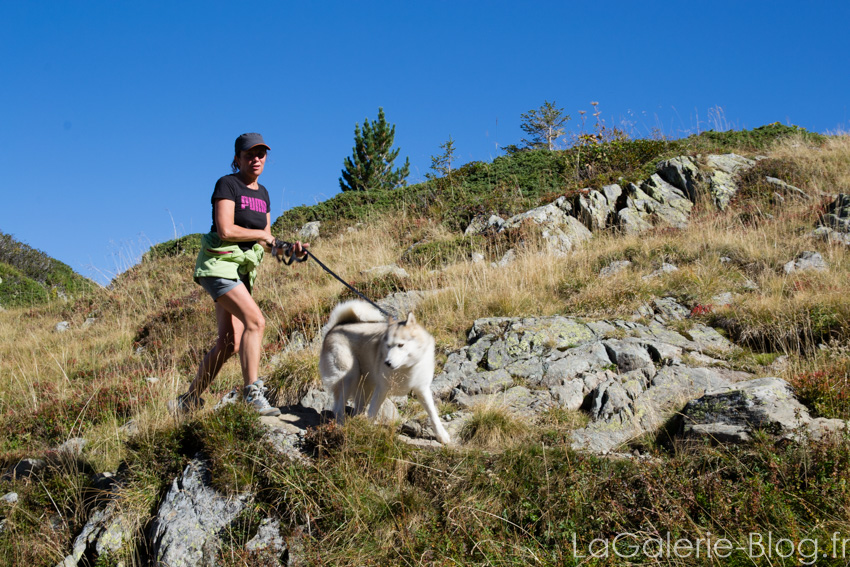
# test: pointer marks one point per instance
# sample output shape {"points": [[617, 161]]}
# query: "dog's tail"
{"points": [[353, 311]]}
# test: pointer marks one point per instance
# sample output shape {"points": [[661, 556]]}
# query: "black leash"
{"points": [[282, 248]]}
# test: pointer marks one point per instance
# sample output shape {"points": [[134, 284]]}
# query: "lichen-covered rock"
{"points": [[786, 188], [186, 529], [107, 531], [733, 414], [722, 174]]}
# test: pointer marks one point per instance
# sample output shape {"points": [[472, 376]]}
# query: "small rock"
{"points": [[267, 538], [62, 327], [664, 269], [508, 258], [722, 299], [614, 268], [10, 498], [806, 261]]}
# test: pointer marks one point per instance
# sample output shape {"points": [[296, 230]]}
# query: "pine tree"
{"points": [[442, 164], [544, 125], [371, 164]]}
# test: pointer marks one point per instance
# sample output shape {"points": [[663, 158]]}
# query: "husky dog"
{"points": [[367, 358]]}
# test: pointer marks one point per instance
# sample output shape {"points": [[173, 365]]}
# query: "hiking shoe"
{"points": [[255, 396], [185, 404]]}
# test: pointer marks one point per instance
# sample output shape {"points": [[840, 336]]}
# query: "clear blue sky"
{"points": [[118, 117]]}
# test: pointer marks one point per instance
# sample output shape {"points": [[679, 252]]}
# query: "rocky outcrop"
{"points": [[630, 377], [666, 198]]}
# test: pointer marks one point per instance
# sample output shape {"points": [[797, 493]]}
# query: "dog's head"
{"points": [[404, 342]]}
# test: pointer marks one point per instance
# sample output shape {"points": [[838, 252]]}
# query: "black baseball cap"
{"points": [[248, 141]]}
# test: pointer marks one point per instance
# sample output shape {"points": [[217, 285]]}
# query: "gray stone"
{"points": [[766, 404], [682, 173], [632, 221], [561, 232], [404, 302], [614, 268], [787, 189], [106, 532], [267, 538], [10, 498], [628, 354], [723, 299], [828, 234], [508, 258], [723, 170], [62, 326], [837, 214], [481, 224], [595, 207], [73, 447], [673, 208], [806, 261], [309, 232], [664, 269], [670, 309], [186, 529]]}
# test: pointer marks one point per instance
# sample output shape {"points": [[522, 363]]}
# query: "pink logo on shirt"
{"points": [[254, 204]]}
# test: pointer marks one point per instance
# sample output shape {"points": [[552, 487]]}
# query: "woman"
{"points": [[226, 269]]}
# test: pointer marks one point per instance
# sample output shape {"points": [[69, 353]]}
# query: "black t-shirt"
{"points": [[252, 205]]}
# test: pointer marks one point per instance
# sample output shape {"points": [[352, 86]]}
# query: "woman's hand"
{"points": [[300, 249]]}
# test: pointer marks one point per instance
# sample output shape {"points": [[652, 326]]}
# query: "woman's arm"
{"points": [[225, 209]]}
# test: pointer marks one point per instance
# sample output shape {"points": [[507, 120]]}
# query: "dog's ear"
{"points": [[411, 320]]}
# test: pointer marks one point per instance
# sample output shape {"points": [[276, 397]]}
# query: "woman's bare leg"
{"points": [[246, 314]]}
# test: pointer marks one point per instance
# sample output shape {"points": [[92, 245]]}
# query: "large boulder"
{"points": [[560, 231], [734, 413]]}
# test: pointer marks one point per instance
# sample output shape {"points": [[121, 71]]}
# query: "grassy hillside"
{"points": [[369, 499], [31, 277]]}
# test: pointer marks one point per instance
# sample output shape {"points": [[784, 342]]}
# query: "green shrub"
{"points": [[189, 245], [27, 268], [756, 139]]}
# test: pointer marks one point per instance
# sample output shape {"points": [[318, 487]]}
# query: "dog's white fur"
{"points": [[367, 358]]}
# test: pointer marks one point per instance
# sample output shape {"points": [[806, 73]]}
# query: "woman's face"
{"points": [[252, 162]]}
